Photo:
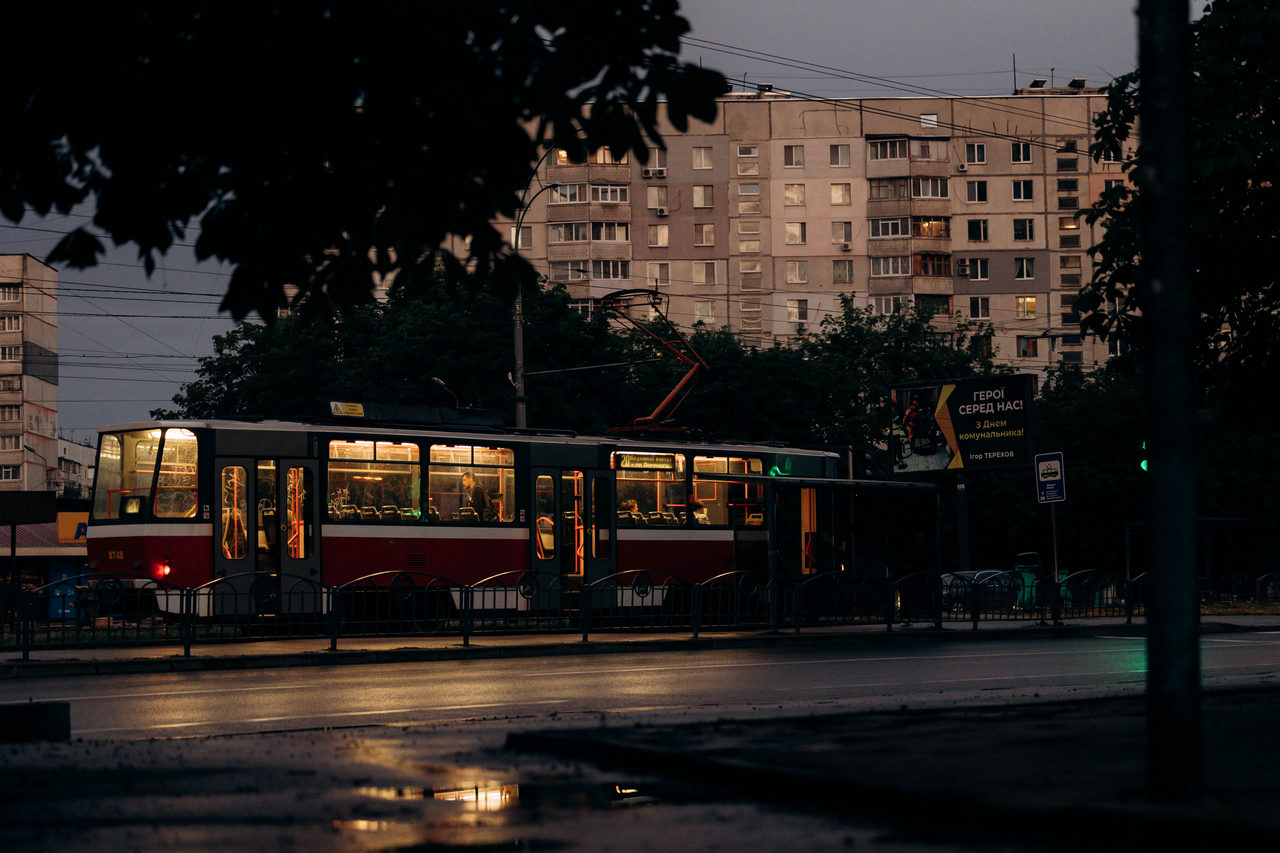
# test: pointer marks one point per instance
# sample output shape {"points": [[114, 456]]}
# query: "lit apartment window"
{"points": [[930, 226], [658, 273], [797, 310], [796, 233], [704, 311], [1021, 152], [605, 157], [841, 232], [931, 264], [1025, 307], [1024, 268], [793, 155], [979, 269], [1068, 223], [656, 197], [611, 270], [797, 272], [840, 155], [1023, 190], [703, 195], [980, 307], [701, 158], [889, 227], [888, 149], [610, 194], [975, 152], [793, 194], [841, 194], [1024, 229], [560, 158], [570, 270], [568, 193], [1028, 347], [613, 232], [704, 234], [975, 191], [526, 238], [842, 272], [978, 232], [659, 236], [704, 272], [891, 266], [923, 187], [568, 232], [888, 188]]}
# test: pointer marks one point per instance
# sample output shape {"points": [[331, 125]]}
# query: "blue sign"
{"points": [[1051, 480]]}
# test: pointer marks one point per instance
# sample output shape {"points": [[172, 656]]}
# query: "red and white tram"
{"points": [[188, 502]]}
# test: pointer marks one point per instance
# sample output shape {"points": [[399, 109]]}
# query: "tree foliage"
{"points": [[1234, 202], [323, 144]]}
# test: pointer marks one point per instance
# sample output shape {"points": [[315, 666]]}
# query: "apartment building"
{"points": [[762, 219], [29, 450]]}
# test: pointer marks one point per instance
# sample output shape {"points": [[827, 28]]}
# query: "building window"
{"points": [[704, 234], [1069, 185], [10, 472], [841, 232], [10, 442], [656, 197], [928, 120], [659, 236], [1028, 347], [1068, 223], [1024, 229], [604, 157], [748, 189], [612, 232], [979, 269], [658, 273], [568, 232], [703, 195], [1021, 152], [1024, 268], [930, 226], [796, 233], [1107, 186], [748, 167], [10, 293], [891, 266], [610, 194], [1025, 307], [889, 227], [1071, 262], [748, 207], [11, 413], [1023, 190], [980, 307], [750, 267], [797, 272], [793, 155], [701, 158], [923, 187], [1069, 241], [704, 272], [748, 151], [1068, 202], [841, 194], [888, 188], [889, 304], [704, 311], [793, 194], [611, 270], [11, 353], [526, 238], [797, 310], [931, 264], [570, 270], [748, 226], [568, 193], [842, 272], [658, 158], [978, 232], [840, 155], [1068, 164], [975, 152], [748, 246], [10, 383], [975, 191], [889, 149]]}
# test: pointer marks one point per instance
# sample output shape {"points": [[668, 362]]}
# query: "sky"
{"points": [[127, 342]]}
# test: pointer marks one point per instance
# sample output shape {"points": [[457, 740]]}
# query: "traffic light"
{"points": [[1143, 462]]}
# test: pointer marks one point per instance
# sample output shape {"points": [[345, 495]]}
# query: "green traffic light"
{"points": [[1143, 463]]}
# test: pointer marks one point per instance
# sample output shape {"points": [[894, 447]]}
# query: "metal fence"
{"points": [[102, 609]]}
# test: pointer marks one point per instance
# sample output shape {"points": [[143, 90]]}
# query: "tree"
{"points": [[1235, 202], [322, 145]]}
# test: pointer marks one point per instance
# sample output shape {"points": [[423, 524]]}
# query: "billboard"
{"points": [[967, 424]]}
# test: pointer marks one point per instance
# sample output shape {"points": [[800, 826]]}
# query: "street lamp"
{"points": [[522, 417], [440, 382], [48, 469]]}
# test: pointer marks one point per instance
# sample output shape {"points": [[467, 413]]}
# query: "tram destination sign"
{"points": [[968, 424]]}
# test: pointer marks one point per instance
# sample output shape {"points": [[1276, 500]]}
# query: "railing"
{"points": [[101, 609]]}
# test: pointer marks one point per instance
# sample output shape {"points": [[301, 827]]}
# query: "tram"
{"points": [[334, 500]]}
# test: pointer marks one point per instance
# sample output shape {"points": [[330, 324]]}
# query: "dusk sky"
{"points": [[127, 342]]}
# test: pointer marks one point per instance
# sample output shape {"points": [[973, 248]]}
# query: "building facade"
{"points": [[29, 451], [762, 220]]}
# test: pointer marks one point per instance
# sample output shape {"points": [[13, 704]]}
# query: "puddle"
{"points": [[560, 796]]}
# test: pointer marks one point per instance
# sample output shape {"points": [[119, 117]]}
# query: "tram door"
{"points": [[574, 523], [266, 532]]}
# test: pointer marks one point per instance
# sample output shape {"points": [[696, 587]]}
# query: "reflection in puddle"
{"points": [[484, 798], [364, 825], [393, 793], [495, 797]]}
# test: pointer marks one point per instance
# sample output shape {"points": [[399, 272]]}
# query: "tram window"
{"points": [[126, 467], [235, 512], [651, 488], [544, 497], [176, 491], [493, 468], [728, 503], [297, 493], [601, 512], [374, 481]]}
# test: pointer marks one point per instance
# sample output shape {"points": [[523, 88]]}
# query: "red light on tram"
{"points": [[165, 569]]}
